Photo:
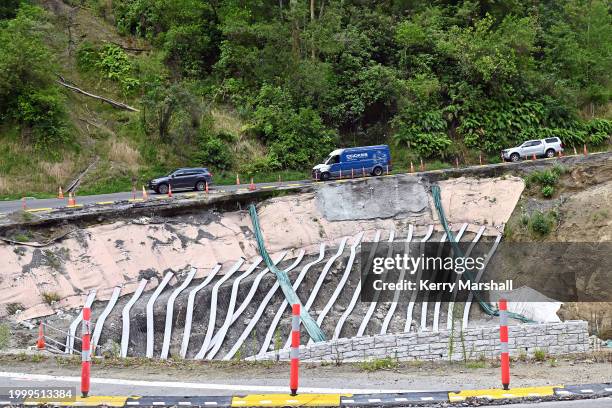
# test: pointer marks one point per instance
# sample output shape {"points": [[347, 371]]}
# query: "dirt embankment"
{"points": [[580, 211]]}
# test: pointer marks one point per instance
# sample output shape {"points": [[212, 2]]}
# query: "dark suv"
{"points": [[187, 178]]}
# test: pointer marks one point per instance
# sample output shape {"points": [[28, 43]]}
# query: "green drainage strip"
{"points": [[314, 331]]}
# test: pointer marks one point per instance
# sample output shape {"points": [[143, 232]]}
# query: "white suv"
{"points": [[548, 147]]}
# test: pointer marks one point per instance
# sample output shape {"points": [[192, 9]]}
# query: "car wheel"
{"points": [[200, 186], [550, 153], [377, 171], [325, 176], [162, 189], [515, 157]]}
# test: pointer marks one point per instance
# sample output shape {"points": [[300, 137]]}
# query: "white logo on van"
{"points": [[357, 156]]}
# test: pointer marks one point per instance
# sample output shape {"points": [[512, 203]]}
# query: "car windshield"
{"points": [[328, 160]]}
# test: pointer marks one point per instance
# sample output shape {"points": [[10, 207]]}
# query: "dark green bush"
{"points": [[540, 224], [548, 191]]}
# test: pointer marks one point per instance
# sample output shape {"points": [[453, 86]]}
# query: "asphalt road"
{"points": [[33, 203]]}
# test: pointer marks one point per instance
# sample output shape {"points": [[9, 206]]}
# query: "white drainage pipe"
{"points": [[283, 307], [125, 317], [218, 339], [374, 303], [260, 310], [410, 309], [190, 305], [212, 318], [170, 313], [150, 322], [355, 297], [91, 296], [451, 305], [393, 306], [95, 337], [468, 303]]}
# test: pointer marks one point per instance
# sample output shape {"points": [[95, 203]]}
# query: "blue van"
{"points": [[342, 163]]}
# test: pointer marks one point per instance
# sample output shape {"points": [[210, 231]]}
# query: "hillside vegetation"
{"points": [[259, 87]]}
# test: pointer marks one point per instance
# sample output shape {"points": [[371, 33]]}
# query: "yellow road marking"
{"points": [[74, 206], [135, 200], [242, 190], [93, 401], [341, 181], [286, 400], [499, 393], [191, 195], [105, 202], [31, 210], [268, 187]]}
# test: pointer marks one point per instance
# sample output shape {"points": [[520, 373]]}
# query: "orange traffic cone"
{"points": [[252, 185], [533, 157], [145, 196], [40, 343], [169, 191], [352, 173], [411, 167], [575, 152], [60, 194], [23, 204], [422, 165], [237, 180], [206, 187], [560, 154], [585, 150], [71, 200], [480, 158], [133, 192], [456, 162]]}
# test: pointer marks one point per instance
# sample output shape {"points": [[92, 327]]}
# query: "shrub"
{"points": [[548, 191], [540, 224], [212, 151], [376, 364], [13, 308]]}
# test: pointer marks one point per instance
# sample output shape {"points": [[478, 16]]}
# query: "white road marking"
{"points": [[203, 386], [184, 403], [133, 403], [426, 398], [563, 392], [374, 400], [608, 389], [586, 391], [158, 403], [265, 401], [350, 401], [292, 401], [210, 403], [401, 399]]}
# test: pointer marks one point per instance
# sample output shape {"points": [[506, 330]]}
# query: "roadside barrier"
{"points": [[503, 337], [169, 190], [295, 349], [40, 343], [252, 185], [71, 200], [352, 173], [85, 352], [585, 150], [145, 196], [363, 171], [387, 169], [60, 193]]}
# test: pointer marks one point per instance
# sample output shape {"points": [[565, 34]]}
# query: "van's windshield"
{"points": [[332, 159]]}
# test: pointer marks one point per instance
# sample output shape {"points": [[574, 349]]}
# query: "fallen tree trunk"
{"points": [[118, 105]]}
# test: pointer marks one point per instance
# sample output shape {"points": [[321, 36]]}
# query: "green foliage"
{"points": [[213, 151], [539, 355], [51, 297], [111, 62], [548, 191], [28, 97], [377, 364], [541, 224]]}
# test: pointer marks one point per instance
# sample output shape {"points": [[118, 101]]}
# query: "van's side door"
{"points": [[335, 165]]}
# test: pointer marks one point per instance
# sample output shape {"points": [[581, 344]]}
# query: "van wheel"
{"points": [[515, 157], [550, 153], [200, 186], [162, 189], [325, 176], [377, 171]]}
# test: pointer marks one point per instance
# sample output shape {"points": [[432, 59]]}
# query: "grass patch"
{"points": [[5, 336], [51, 297], [541, 224], [377, 364], [548, 191], [475, 364], [539, 355]]}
